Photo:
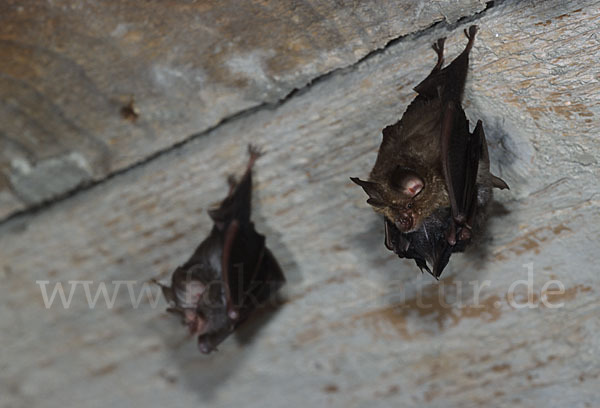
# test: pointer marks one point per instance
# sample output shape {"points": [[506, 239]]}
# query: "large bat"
{"points": [[230, 274], [431, 180]]}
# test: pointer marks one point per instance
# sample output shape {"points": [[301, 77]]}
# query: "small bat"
{"points": [[231, 272], [431, 180]]}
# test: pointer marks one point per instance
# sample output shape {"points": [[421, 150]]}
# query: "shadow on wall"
{"points": [[511, 152]]}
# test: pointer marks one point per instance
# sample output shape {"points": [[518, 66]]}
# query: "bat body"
{"points": [[230, 273], [431, 180]]}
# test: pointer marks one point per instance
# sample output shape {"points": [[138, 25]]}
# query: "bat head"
{"points": [[196, 299], [185, 297], [400, 197]]}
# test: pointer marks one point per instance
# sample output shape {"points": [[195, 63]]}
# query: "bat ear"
{"points": [[167, 291], [373, 190], [407, 181]]}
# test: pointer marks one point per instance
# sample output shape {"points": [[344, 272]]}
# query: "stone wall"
{"points": [[90, 191]]}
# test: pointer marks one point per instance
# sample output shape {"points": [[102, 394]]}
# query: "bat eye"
{"points": [[409, 205]]}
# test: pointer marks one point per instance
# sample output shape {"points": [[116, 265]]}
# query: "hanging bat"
{"points": [[229, 275], [431, 180]]}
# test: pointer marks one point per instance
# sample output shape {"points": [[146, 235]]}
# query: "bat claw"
{"points": [[471, 36], [438, 47], [255, 152]]}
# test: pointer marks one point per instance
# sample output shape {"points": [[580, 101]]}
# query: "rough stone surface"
{"points": [[48, 178], [356, 326], [68, 68]]}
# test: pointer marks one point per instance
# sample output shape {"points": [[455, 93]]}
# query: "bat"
{"points": [[229, 275], [431, 180]]}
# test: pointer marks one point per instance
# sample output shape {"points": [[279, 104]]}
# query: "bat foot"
{"points": [[255, 152], [470, 34], [438, 47]]}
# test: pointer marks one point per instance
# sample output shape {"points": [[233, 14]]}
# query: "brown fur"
{"points": [[414, 143]]}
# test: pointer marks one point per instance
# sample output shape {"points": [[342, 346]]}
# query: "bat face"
{"points": [[404, 197], [197, 297], [230, 274], [397, 199], [431, 180]]}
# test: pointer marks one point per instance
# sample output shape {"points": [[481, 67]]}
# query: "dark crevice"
{"points": [[36, 208]]}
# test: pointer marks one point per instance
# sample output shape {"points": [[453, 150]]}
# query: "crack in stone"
{"points": [[37, 208]]}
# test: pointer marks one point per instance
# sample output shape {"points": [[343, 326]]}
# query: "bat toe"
{"points": [[470, 34]]}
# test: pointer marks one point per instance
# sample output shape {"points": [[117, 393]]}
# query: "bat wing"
{"points": [[241, 244], [447, 231], [265, 280], [461, 152], [251, 275], [250, 272], [237, 205]]}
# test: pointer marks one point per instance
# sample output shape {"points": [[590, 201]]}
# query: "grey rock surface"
{"points": [[513, 322], [70, 71]]}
